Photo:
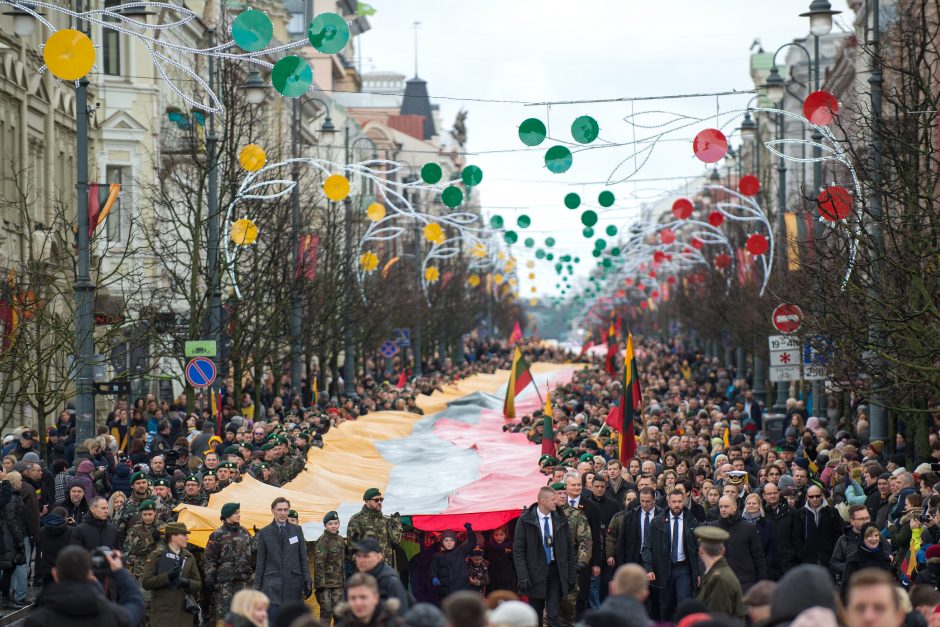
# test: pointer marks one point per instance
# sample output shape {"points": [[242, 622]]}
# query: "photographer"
{"points": [[76, 598]]}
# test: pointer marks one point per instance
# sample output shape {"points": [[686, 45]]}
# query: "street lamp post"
{"points": [[212, 240], [349, 348]]}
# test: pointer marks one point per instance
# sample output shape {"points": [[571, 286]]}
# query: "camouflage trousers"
{"points": [[328, 599], [568, 606], [222, 596]]}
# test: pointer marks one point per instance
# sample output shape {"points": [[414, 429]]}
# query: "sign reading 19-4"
{"points": [[200, 372]]}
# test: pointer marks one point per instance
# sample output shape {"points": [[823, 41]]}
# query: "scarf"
{"points": [[751, 518]]}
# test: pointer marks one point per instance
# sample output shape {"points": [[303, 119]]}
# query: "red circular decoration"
{"points": [[697, 243], [654, 294], [629, 282], [710, 145], [820, 107], [716, 218], [749, 185], [835, 203], [682, 209], [658, 256], [652, 274], [723, 260], [671, 280], [667, 236], [643, 305], [621, 293], [757, 244]]}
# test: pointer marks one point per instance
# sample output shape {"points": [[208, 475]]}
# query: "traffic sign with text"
{"points": [[199, 348]]}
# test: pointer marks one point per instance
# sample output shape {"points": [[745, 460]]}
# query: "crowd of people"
{"points": [[715, 520]]}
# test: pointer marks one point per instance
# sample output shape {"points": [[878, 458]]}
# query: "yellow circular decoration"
{"points": [[252, 157], [510, 265], [432, 274], [479, 250], [336, 187], [532, 289], [532, 275], [434, 233], [501, 256], [473, 280], [533, 302], [368, 261], [244, 232], [69, 54], [375, 211], [530, 264], [498, 279], [512, 282]]}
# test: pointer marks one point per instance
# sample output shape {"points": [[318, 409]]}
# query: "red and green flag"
{"points": [[519, 378], [630, 403], [612, 348], [548, 433]]}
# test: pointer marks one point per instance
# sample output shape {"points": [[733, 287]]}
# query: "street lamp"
{"points": [[820, 17], [748, 125], [24, 22], [775, 87], [255, 88], [715, 176]]}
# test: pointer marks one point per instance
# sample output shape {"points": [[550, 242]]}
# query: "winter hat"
{"points": [[933, 553], [229, 509], [802, 462], [514, 614], [85, 466], [801, 588], [330, 516], [791, 432], [34, 458], [449, 534], [878, 446], [424, 615], [477, 551], [784, 482]]}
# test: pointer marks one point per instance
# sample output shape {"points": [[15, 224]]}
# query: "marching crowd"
{"points": [[713, 521]]}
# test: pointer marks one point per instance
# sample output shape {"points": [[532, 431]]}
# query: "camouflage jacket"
{"points": [[229, 556], [165, 511], [140, 542], [201, 499], [481, 573], [580, 531], [329, 561], [386, 530], [613, 531], [129, 513]]}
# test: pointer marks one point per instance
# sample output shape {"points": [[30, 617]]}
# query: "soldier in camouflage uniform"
{"points": [[140, 492], [210, 482], [193, 494], [229, 560], [329, 567], [580, 531], [370, 523], [165, 501], [141, 540], [224, 474]]}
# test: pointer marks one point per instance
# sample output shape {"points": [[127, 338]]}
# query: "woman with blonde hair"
{"points": [[115, 505], [249, 609]]}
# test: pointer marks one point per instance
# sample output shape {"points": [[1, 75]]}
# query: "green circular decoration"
{"points": [[557, 286], [558, 159], [615, 251], [472, 176], [523, 221], [596, 252], [549, 241], [532, 131], [588, 232], [558, 268], [252, 30], [550, 256], [572, 200], [588, 218], [600, 244], [511, 237], [611, 230], [529, 242], [431, 173], [577, 259], [584, 129], [605, 198], [452, 196], [496, 222], [570, 269], [291, 76], [328, 33], [607, 262], [540, 254]]}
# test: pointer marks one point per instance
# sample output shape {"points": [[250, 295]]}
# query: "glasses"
{"points": [[814, 496], [378, 499], [259, 432]]}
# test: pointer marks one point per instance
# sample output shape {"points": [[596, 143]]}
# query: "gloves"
{"points": [[156, 535], [175, 574], [308, 590], [468, 527], [436, 582], [181, 583], [524, 585]]}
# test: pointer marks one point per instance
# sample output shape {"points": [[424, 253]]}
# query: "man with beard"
{"points": [[370, 523]]}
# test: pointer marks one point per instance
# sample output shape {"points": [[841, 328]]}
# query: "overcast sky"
{"points": [[559, 51]]}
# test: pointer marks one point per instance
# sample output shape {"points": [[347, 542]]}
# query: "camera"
{"points": [[99, 562]]}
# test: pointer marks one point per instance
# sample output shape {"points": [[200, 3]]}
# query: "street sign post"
{"points": [[388, 349], [113, 388], [814, 361], [787, 318], [199, 348], [200, 372], [402, 337], [785, 357]]}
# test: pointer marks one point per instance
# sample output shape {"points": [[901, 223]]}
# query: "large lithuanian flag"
{"points": [[630, 403], [519, 378]]}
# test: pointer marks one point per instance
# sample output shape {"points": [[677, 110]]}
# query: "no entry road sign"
{"points": [[200, 372], [787, 318]]}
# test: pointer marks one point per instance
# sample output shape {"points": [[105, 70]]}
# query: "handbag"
{"points": [[190, 605]]}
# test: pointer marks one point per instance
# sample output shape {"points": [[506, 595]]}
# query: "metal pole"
{"points": [[416, 333], [296, 308], [739, 365], [349, 349], [780, 404], [878, 417], [760, 384], [819, 386], [83, 286], [212, 241]]}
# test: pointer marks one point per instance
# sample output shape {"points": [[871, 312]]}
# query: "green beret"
{"points": [[566, 452], [551, 461], [247, 445], [163, 482], [193, 478], [292, 513], [264, 465], [231, 465], [371, 493], [208, 473], [270, 436], [604, 432], [282, 439], [587, 457], [268, 446], [137, 476], [231, 450], [228, 509], [330, 516], [148, 505], [558, 485]]}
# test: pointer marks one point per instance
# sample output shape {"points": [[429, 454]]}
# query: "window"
{"points": [[111, 45], [118, 222]]}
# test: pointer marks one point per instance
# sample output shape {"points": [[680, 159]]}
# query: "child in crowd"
{"points": [[478, 570], [498, 555]]}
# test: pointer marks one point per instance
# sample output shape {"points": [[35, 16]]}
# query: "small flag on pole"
{"points": [[519, 378], [516, 335]]}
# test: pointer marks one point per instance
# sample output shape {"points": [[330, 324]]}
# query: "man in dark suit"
{"points": [[282, 572], [670, 555], [577, 500], [606, 508], [544, 557], [633, 533]]}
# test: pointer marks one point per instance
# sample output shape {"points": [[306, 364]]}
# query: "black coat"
{"points": [[782, 560], [81, 604], [391, 588], [450, 567], [502, 569], [863, 558], [282, 571], [54, 535], [743, 551], [92, 533], [628, 540], [529, 553], [813, 543], [657, 551], [12, 529], [606, 508]]}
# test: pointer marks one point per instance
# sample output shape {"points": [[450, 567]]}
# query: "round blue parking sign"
{"points": [[200, 372], [389, 349]]}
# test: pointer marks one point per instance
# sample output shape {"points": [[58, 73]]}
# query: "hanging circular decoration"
{"points": [[600, 244], [452, 196], [572, 200], [511, 237], [549, 256], [644, 304], [558, 159], [835, 203], [716, 218], [659, 256], [529, 242], [243, 232], [667, 236], [654, 294], [252, 30], [478, 250], [682, 209], [69, 54], [496, 222], [530, 264], [523, 221], [432, 274], [652, 274], [328, 33], [532, 132], [375, 211], [611, 230], [368, 261], [533, 289], [498, 279], [434, 233], [749, 185], [336, 187], [671, 280], [540, 254], [252, 157], [756, 244], [710, 145], [589, 218], [722, 261], [615, 251], [696, 243], [431, 173], [628, 282], [472, 176], [291, 76], [820, 108], [588, 232], [596, 253], [584, 129], [549, 241], [531, 276], [473, 280], [605, 198], [607, 263]]}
